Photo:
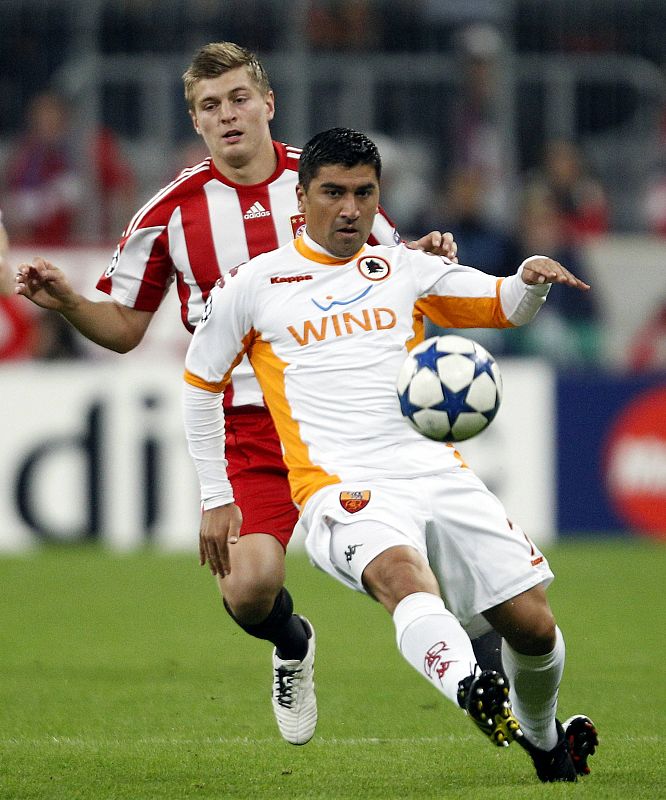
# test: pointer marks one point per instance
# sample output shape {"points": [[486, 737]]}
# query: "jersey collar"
{"points": [[280, 152], [309, 249]]}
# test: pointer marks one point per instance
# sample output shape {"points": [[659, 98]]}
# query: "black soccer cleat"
{"points": [[552, 766], [485, 697], [582, 741]]}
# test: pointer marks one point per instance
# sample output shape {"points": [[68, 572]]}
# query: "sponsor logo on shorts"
{"points": [[354, 501], [374, 268], [349, 552], [535, 560], [434, 664]]}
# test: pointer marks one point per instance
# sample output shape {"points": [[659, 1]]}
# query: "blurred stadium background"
{"points": [[522, 126]]}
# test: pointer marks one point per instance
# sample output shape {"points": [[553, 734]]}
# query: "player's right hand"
{"points": [[45, 285]]}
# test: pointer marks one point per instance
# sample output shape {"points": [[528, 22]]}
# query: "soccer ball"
{"points": [[449, 388]]}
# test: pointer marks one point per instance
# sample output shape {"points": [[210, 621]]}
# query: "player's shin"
{"points": [[432, 640], [534, 682]]}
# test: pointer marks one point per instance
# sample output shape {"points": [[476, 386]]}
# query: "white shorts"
{"points": [[480, 559]]}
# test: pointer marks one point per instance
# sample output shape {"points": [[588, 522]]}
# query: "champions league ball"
{"points": [[449, 388]]}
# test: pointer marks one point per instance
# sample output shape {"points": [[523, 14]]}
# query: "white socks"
{"points": [[434, 642], [534, 682]]}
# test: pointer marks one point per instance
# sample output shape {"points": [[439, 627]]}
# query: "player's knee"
{"points": [[249, 601], [536, 636], [397, 573]]}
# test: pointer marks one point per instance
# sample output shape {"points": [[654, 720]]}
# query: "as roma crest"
{"points": [[374, 268], [354, 501]]}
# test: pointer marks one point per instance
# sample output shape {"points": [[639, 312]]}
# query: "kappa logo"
{"points": [[374, 268], [354, 501], [349, 552], [255, 211], [290, 278]]}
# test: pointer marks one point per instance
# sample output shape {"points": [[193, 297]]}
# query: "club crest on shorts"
{"points": [[374, 268], [354, 501]]}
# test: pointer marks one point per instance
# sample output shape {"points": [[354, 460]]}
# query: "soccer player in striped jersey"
{"points": [[6, 282], [237, 203], [326, 322]]}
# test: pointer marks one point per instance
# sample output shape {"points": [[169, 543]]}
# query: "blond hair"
{"points": [[215, 59]]}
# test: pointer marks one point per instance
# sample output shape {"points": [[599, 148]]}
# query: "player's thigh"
{"points": [[349, 526], [480, 558], [397, 573], [259, 476]]}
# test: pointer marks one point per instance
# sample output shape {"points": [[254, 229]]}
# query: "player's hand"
{"points": [[438, 244], [45, 285], [220, 527], [541, 269]]}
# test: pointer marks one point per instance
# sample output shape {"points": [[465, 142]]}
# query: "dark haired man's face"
{"points": [[340, 205]]}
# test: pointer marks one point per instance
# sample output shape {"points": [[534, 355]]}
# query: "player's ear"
{"points": [[270, 105], [195, 122], [300, 197]]}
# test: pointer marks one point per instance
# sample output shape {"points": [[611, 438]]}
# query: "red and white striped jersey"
{"points": [[199, 227]]}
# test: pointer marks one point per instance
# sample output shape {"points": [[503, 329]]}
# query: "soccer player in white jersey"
{"points": [[239, 202], [326, 321]]}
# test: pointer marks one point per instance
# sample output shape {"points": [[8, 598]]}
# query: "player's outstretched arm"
{"points": [[541, 269], [219, 528], [437, 243], [5, 273], [106, 323]]}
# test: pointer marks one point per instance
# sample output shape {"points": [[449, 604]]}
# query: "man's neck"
{"points": [[257, 170]]}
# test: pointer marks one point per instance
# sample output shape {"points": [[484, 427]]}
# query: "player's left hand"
{"points": [[541, 269], [438, 244]]}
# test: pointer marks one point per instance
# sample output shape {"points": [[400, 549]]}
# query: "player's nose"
{"points": [[227, 112]]}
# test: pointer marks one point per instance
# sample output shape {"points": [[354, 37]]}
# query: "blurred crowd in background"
{"points": [[486, 153]]}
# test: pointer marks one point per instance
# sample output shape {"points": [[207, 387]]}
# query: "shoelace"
{"points": [[285, 680]]}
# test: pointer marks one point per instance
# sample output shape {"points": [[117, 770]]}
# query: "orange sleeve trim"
{"points": [[200, 383]]}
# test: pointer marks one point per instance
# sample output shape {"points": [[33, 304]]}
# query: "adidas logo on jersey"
{"points": [[255, 211]]}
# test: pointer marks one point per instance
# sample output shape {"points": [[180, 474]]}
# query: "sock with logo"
{"points": [[534, 684], [433, 642]]}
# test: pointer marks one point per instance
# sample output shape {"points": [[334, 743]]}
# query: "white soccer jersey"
{"points": [[326, 338], [199, 227]]}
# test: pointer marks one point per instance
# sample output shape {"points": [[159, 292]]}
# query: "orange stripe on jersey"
{"points": [[418, 326], [465, 312], [322, 258], [305, 478]]}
